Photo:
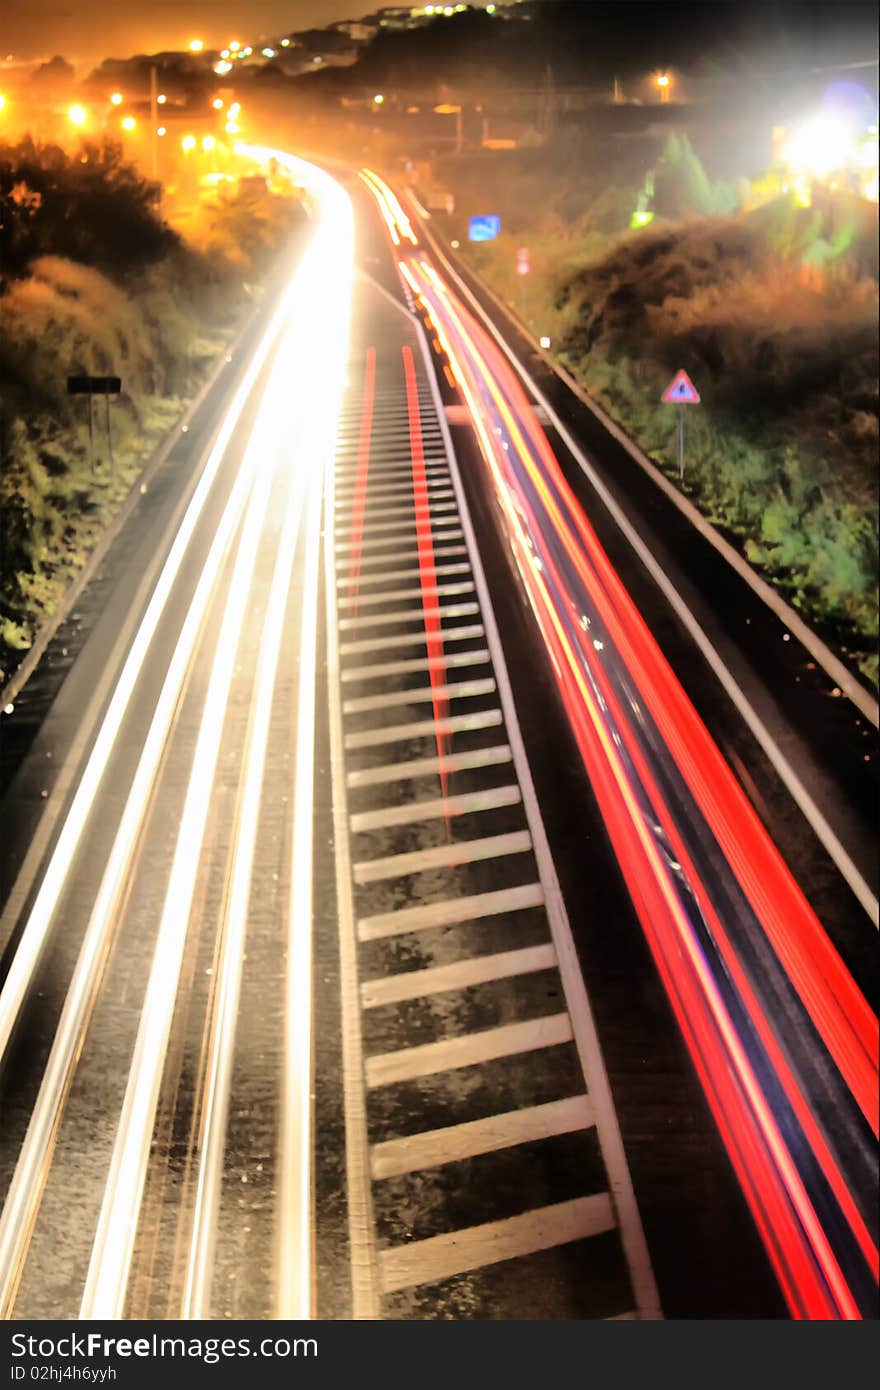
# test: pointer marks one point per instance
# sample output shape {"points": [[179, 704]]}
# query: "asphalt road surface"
{"points": [[327, 989]]}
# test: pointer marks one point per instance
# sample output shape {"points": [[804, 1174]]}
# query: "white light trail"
{"points": [[303, 296], [309, 370]]}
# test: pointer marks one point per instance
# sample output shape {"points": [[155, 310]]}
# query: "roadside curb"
{"points": [[866, 704]]}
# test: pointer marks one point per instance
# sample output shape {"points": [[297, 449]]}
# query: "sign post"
{"points": [[90, 386], [681, 391], [484, 227], [523, 266]]}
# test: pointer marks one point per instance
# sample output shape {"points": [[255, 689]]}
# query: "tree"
{"points": [[56, 73]]}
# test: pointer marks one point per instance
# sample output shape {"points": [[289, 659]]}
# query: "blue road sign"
{"points": [[485, 227]]}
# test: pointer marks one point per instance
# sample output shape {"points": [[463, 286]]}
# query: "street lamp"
{"points": [[663, 82], [188, 143], [116, 99], [196, 45], [77, 115], [128, 123]]}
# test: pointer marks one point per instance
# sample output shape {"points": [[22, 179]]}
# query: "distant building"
{"points": [[358, 30]]}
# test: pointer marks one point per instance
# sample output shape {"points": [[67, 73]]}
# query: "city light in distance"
{"points": [[234, 46], [128, 123], [217, 103], [161, 98], [116, 99], [188, 143], [208, 144], [223, 67], [196, 45], [161, 130], [378, 99]]}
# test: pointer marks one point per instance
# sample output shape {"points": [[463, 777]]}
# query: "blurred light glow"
{"points": [[234, 46], [77, 115], [196, 45], [188, 143], [208, 144], [378, 99], [232, 128], [128, 123], [268, 52], [223, 67], [161, 130], [544, 341], [217, 103], [116, 99], [161, 98], [819, 147]]}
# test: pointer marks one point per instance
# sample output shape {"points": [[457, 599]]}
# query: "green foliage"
{"points": [[783, 451], [152, 310], [95, 209]]}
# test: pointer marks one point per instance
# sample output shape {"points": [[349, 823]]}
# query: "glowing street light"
{"points": [[116, 99], [820, 147], [77, 115], [217, 103], [196, 45], [161, 130], [188, 143], [234, 110], [128, 123], [232, 128], [223, 67], [161, 99], [378, 99], [664, 82], [234, 46], [208, 144]]}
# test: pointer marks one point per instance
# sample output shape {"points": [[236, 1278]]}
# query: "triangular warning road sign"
{"points": [[681, 391]]}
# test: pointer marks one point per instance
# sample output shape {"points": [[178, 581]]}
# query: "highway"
{"points": [[384, 933]]}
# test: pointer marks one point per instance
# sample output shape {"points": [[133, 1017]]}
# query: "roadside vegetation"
{"points": [[95, 281], [772, 310]]}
